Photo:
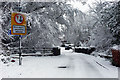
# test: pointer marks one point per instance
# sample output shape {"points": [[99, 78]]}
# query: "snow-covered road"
{"points": [[77, 65]]}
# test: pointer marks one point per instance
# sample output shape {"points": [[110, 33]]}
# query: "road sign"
{"points": [[18, 24]]}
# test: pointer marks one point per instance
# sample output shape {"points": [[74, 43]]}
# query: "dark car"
{"points": [[68, 47]]}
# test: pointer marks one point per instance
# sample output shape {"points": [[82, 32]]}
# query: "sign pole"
{"points": [[20, 58]]}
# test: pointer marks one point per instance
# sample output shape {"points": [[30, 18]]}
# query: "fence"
{"points": [[55, 51]]}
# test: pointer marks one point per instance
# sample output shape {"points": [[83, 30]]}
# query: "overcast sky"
{"points": [[84, 7]]}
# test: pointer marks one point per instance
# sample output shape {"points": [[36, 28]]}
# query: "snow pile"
{"points": [[83, 47], [116, 47], [4, 59]]}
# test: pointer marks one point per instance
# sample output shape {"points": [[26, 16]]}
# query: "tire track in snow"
{"points": [[90, 68], [82, 65], [101, 65]]}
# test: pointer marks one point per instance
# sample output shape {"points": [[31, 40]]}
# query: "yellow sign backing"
{"points": [[18, 24]]}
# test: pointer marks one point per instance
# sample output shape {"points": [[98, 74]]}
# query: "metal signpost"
{"points": [[18, 27]]}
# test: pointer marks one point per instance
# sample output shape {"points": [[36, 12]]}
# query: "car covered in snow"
{"points": [[68, 46]]}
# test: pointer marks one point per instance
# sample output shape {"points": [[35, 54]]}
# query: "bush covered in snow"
{"points": [[4, 59]]}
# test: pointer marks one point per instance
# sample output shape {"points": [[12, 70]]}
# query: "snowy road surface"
{"points": [[78, 65]]}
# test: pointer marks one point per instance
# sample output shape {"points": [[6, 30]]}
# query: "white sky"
{"points": [[84, 8]]}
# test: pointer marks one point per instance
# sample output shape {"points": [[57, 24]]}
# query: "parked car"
{"points": [[68, 46]]}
